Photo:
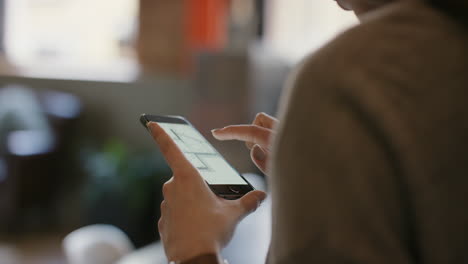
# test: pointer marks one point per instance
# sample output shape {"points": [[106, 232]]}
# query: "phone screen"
{"points": [[211, 165]]}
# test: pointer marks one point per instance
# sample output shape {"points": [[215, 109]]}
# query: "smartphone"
{"points": [[222, 178]]}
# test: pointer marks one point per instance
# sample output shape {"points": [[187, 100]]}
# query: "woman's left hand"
{"points": [[194, 221]]}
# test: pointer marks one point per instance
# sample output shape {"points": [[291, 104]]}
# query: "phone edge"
{"points": [[144, 120]]}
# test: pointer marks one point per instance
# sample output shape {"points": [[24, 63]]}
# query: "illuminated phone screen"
{"points": [[211, 165]]}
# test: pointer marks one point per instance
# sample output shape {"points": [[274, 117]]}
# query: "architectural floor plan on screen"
{"points": [[202, 155], [194, 147]]}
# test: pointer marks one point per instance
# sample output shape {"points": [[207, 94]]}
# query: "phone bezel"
{"points": [[227, 191]]}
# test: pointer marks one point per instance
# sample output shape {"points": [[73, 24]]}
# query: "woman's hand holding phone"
{"points": [[257, 136], [194, 221]]}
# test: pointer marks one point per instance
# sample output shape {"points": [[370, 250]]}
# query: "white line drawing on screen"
{"points": [[194, 148]]}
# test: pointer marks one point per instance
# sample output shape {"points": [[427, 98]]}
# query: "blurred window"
{"points": [[70, 34], [297, 27]]}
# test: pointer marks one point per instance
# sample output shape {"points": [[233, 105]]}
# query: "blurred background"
{"points": [[76, 74]]}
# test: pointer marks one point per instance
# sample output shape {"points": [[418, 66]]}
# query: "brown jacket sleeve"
{"points": [[370, 160]]}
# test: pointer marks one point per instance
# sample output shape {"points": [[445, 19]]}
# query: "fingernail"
{"points": [[258, 153], [215, 130], [149, 125]]}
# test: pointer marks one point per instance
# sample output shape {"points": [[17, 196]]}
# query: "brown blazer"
{"points": [[370, 163]]}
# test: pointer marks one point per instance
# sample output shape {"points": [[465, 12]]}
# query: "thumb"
{"points": [[250, 202]]}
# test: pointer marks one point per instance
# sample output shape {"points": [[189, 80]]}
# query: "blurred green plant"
{"points": [[124, 189]]}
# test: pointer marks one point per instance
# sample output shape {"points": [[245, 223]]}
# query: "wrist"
{"points": [[203, 259], [194, 250]]}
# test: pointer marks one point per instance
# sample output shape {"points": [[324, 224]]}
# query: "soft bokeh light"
{"points": [[68, 32], [298, 27]]}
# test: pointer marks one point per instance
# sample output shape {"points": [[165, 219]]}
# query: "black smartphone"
{"points": [[222, 178]]}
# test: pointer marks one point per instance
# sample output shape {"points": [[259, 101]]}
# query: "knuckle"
{"points": [[258, 131], [261, 115], [253, 133], [266, 118], [166, 188], [160, 225], [163, 207]]}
